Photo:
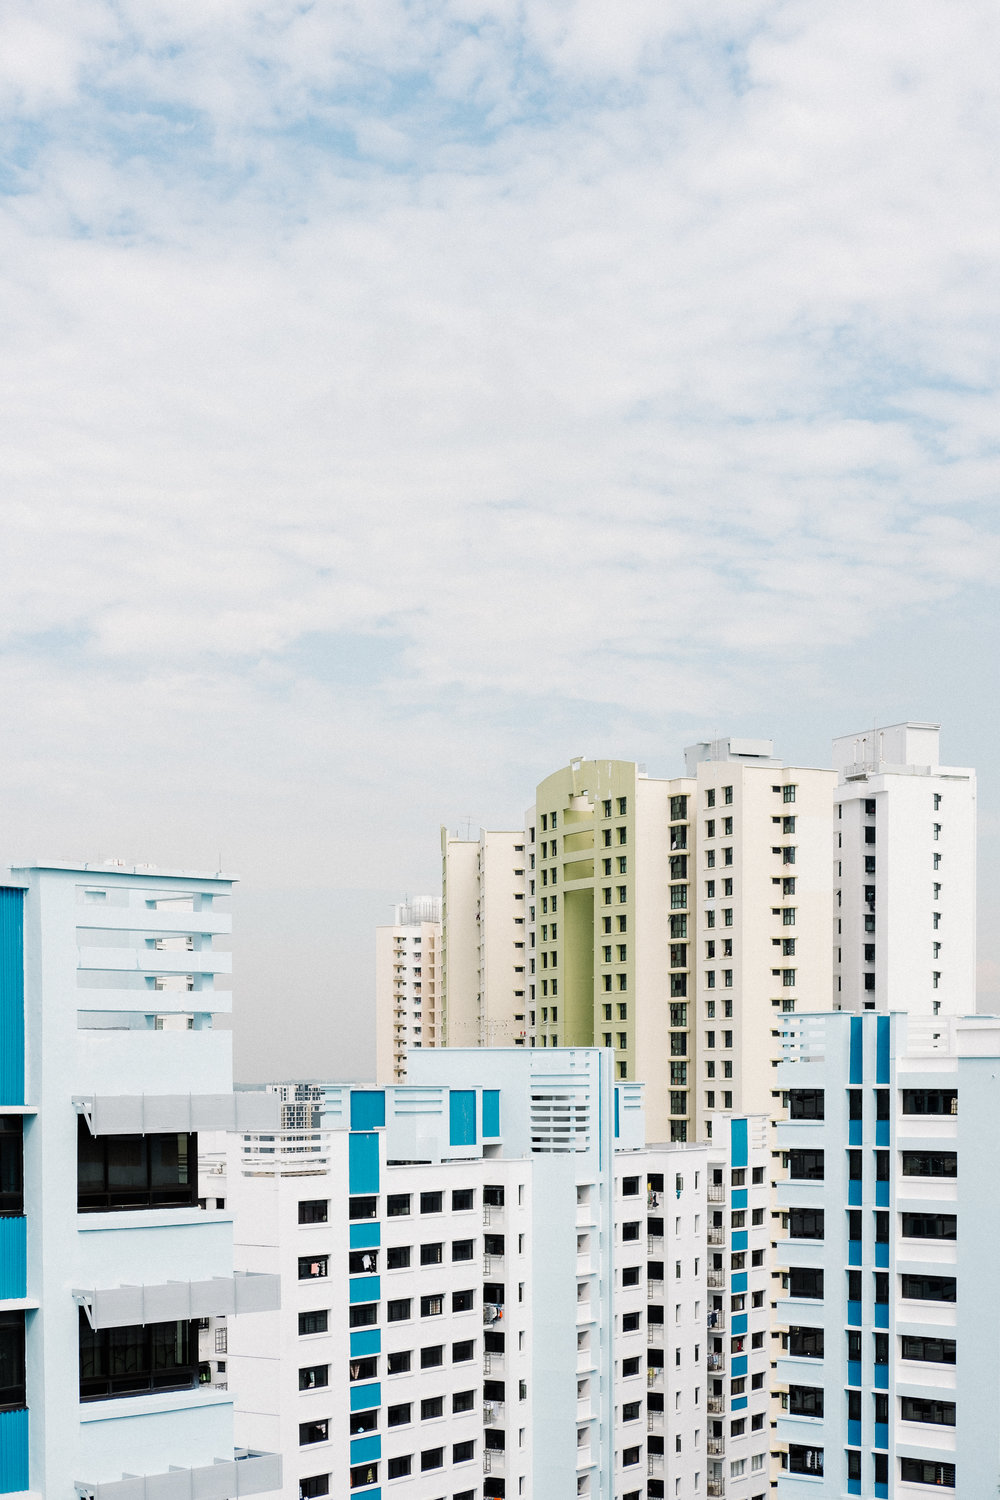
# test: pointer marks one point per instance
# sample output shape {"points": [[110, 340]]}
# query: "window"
{"points": [[364, 1369], [313, 1267], [363, 1474], [929, 1288], [311, 1377], [462, 1301], [805, 1343], [398, 1310], [432, 1356], [431, 1203], [805, 1104], [630, 1322], [630, 1456], [803, 1460], [926, 1471], [397, 1257], [398, 1416], [363, 1314], [921, 1409], [462, 1453], [314, 1322], [929, 1350], [397, 1205], [463, 1401], [431, 1255], [463, 1198], [313, 1211], [314, 1432], [805, 1223], [630, 1366], [431, 1406], [465, 1349], [399, 1468], [929, 1226], [362, 1208], [432, 1307], [128, 1171], [399, 1363], [12, 1376], [127, 1360], [805, 1281], [431, 1458], [315, 1485]]}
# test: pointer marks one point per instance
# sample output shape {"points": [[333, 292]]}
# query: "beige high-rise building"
{"points": [[763, 894], [407, 985], [485, 942]]}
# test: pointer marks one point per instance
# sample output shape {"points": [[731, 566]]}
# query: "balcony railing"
{"points": [[716, 1192], [716, 1404], [716, 1362], [716, 1278], [716, 1487], [716, 1234], [717, 1445]]}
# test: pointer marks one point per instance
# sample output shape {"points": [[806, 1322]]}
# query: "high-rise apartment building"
{"points": [[610, 926], [761, 895], [493, 1287], [888, 1375], [408, 986], [904, 874], [110, 1065], [484, 940]]}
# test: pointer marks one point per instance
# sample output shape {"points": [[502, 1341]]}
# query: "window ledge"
{"points": [[150, 1218], [152, 1403]]}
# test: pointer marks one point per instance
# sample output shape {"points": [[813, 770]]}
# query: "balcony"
{"points": [[716, 1278], [246, 1474], [717, 1445], [716, 1234], [654, 1463], [716, 1405], [494, 1461], [654, 1378], [716, 1362], [493, 1413], [654, 1244], [716, 1487], [716, 1192], [654, 1335]]}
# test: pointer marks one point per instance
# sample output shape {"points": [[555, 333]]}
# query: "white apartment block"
{"points": [[110, 1065], [492, 1288], [904, 874], [889, 1376], [764, 894], [408, 986], [484, 958]]}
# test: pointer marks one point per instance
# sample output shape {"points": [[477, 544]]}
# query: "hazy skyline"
{"points": [[400, 399]]}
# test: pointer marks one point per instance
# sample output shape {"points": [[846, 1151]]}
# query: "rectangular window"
{"points": [[927, 1471], [397, 1257], [313, 1210], [134, 1171], [805, 1104], [317, 1321], [930, 1164], [929, 1226], [312, 1377], [363, 1314], [362, 1208], [399, 1363], [431, 1203], [398, 1310], [125, 1361], [316, 1485], [313, 1267], [928, 1350]]}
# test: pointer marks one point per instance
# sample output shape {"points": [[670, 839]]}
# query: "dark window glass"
{"points": [[465, 1349], [929, 1288], [363, 1315], [397, 1310], [431, 1406], [805, 1223], [397, 1205], [805, 1342], [364, 1421], [493, 1194], [930, 1101], [855, 1104], [854, 1165], [362, 1262], [143, 1357], [431, 1203], [431, 1458], [398, 1468], [312, 1377], [805, 1400], [920, 1409], [930, 1163], [313, 1211], [135, 1171], [432, 1306], [313, 1267], [805, 1104], [806, 1165], [398, 1416], [399, 1363], [929, 1226], [362, 1208], [361, 1474], [314, 1322], [803, 1460], [11, 1165], [805, 1281], [462, 1452], [315, 1485], [881, 1104], [431, 1255], [462, 1301], [463, 1401], [462, 1249], [881, 1166], [933, 1351], [11, 1360], [926, 1471], [397, 1257], [363, 1369], [462, 1198], [432, 1356]]}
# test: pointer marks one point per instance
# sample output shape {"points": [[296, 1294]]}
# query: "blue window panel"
{"points": [[854, 1372], [739, 1323], [857, 1049], [738, 1144], [365, 1288], [881, 1435], [13, 1257], [881, 1315], [366, 1235], [739, 1365], [365, 1449], [882, 1035], [854, 1194], [491, 1112], [881, 1378], [739, 1281], [13, 1450], [367, 1109], [738, 1403], [854, 1486], [882, 1257], [364, 1397], [881, 1492], [366, 1341], [616, 1115], [854, 1434], [363, 1160], [739, 1239], [854, 1252], [739, 1198], [854, 1317], [11, 996], [462, 1117], [882, 1195], [882, 1132], [855, 1132]]}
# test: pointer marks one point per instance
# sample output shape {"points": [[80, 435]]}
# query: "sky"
{"points": [[400, 397]]}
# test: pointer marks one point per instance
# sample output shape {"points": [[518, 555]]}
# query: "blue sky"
{"points": [[399, 398]]}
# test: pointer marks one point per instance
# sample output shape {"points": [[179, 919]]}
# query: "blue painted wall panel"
{"points": [[366, 1341], [364, 1397], [857, 1049], [13, 1257], [366, 1235], [365, 1449], [367, 1109], [491, 1112], [13, 1451], [739, 1239], [883, 1024], [739, 1281], [462, 1117], [738, 1142], [363, 1160], [364, 1288], [739, 1365], [11, 996], [739, 1199]]}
